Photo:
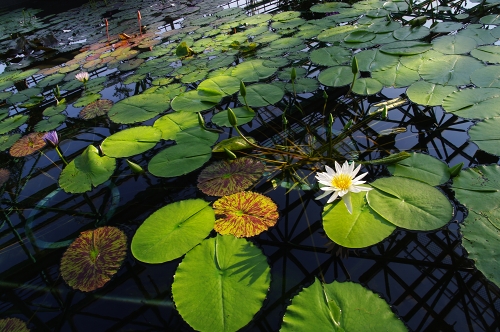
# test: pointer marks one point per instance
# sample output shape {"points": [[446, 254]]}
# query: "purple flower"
{"points": [[51, 138]]}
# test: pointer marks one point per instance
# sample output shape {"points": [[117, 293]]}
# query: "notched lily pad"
{"points": [[95, 109], [27, 145], [94, 258]]}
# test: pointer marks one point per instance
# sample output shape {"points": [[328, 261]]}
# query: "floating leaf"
{"points": [[179, 159], [252, 71], [339, 306], [405, 48], [411, 33], [86, 171], [243, 115], [486, 77], [27, 145], [360, 229], [95, 109], [262, 95], [6, 141], [336, 76], [486, 135], [244, 214], [478, 103], [428, 94], [454, 44], [173, 123], [50, 80], [13, 324], [196, 135], [423, 168], [139, 108], [222, 85], [366, 86], [50, 123], [94, 258], [397, 76], [481, 239], [172, 231], [12, 123], [478, 188], [131, 141], [330, 56], [229, 177], [410, 204], [56, 109], [88, 98], [195, 101], [372, 60], [239, 277]]}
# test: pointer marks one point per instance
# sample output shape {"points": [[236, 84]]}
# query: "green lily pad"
{"points": [[481, 239], [423, 168], [487, 53], [86, 171], [234, 144], [238, 273], [397, 76], [87, 99], [173, 123], [336, 34], [139, 108], [195, 101], [50, 123], [478, 188], [179, 159], [303, 85], [415, 61], [367, 86], [454, 44], [328, 7], [372, 60], [330, 56], [486, 136], [196, 135], [446, 27], [480, 103], [252, 71], [55, 109], [405, 48], [12, 123], [243, 115], [6, 141], [410, 204], [222, 85], [262, 95], [428, 94], [93, 258], [172, 231], [411, 33], [449, 69], [50, 80], [486, 77], [336, 76], [336, 307], [360, 229], [480, 35], [359, 36], [131, 141]]}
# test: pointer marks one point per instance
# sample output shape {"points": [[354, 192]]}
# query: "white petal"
{"points": [[329, 170], [355, 171], [326, 193], [359, 177], [338, 168], [347, 202], [334, 197]]}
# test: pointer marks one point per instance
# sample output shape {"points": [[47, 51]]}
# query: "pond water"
{"points": [[424, 274]]}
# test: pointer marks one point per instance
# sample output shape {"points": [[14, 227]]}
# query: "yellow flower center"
{"points": [[342, 181]]}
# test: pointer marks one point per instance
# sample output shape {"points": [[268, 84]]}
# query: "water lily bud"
{"points": [[230, 154], [354, 66], [137, 169], [330, 120], [243, 89], [57, 91], [384, 113], [232, 117], [51, 138], [284, 119], [418, 21], [293, 74], [325, 95], [201, 120], [455, 170], [348, 125]]}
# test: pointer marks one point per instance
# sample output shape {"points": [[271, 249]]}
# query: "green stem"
{"points": [[61, 156]]}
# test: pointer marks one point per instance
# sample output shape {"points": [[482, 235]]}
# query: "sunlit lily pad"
{"points": [[244, 214], [478, 188], [27, 145], [486, 136], [196, 135], [223, 85], [50, 80], [229, 177], [87, 99], [94, 258], [173, 123], [449, 69], [139, 108], [362, 228], [366, 86], [330, 56], [478, 103], [397, 76], [336, 307], [481, 239], [411, 33], [262, 95], [423, 168], [172, 231], [252, 71], [371, 60], [454, 44], [429, 94], [486, 77], [86, 171], [410, 204], [179, 159], [405, 48], [131, 141], [95, 109], [336, 76], [55, 109], [50, 123], [12, 122], [195, 101], [237, 272], [6, 141]]}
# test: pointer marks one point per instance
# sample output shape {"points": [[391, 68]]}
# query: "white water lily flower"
{"points": [[341, 182], [82, 77]]}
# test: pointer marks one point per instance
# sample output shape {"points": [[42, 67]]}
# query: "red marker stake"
{"points": [[139, 20], [107, 31]]}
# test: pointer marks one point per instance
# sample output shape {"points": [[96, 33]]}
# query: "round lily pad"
{"points": [[423, 168], [172, 231], [238, 273], [478, 188], [405, 48], [480, 103], [410, 204], [6, 141], [429, 94], [179, 159], [262, 95], [27, 145], [486, 77], [243, 115], [252, 71], [50, 123], [94, 258], [366, 86], [336, 76], [223, 85], [360, 229], [449, 69], [131, 141], [397, 76], [454, 44], [330, 56], [195, 101], [196, 135], [139, 108], [486, 136], [95, 109], [371, 60], [173, 123], [336, 307]]}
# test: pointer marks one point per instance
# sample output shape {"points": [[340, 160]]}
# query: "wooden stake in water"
{"points": [[107, 31], [139, 20]]}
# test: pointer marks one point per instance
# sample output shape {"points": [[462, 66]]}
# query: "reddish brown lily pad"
{"points": [[93, 258], [244, 214], [95, 109], [229, 177], [27, 145], [13, 325], [4, 176]]}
